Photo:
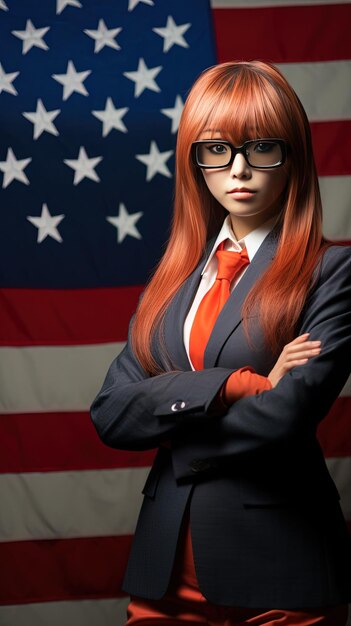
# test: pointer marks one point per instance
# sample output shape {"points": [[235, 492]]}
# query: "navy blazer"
{"points": [[266, 524]]}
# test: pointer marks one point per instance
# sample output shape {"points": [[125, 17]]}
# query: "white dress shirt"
{"points": [[252, 241]]}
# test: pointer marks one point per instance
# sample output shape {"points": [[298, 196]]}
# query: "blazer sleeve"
{"points": [[302, 397], [129, 411]]}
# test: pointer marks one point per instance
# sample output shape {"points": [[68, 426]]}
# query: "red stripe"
{"points": [[331, 141], [66, 569], [41, 317], [56, 442], [62, 569], [306, 33], [334, 430], [63, 316], [45, 442]]}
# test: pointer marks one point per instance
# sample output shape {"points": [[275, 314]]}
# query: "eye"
{"points": [[218, 148], [264, 146]]}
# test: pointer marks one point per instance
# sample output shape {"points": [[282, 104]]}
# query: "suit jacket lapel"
{"points": [[230, 316], [177, 312]]}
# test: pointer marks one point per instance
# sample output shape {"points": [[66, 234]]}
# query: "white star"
{"points": [[3, 6], [155, 161], [144, 78], [61, 4], [133, 3], [175, 113], [72, 81], [13, 169], [125, 223], [32, 37], [103, 36], [111, 118], [6, 81], [172, 34], [42, 120], [83, 166], [46, 224]]}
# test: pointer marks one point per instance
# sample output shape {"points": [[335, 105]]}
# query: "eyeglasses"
{"points": [[260, 153]]}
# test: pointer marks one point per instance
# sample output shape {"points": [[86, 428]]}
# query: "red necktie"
{"points": [[229, 264]]}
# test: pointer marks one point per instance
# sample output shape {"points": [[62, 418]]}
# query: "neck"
{"points": [[242, 226]]}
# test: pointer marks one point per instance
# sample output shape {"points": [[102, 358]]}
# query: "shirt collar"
{"points": [[252, 241]]}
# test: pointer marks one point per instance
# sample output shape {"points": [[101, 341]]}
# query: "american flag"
{"points": [[90, 98]]}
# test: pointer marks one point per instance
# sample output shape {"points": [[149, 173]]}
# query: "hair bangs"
{"points": [[243, 106]]}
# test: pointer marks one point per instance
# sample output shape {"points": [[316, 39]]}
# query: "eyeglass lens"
{"points": [[257, 153]]}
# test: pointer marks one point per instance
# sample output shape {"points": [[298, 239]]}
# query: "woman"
{"points": [[238, 349]]}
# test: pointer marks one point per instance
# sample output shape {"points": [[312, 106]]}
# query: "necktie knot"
{"points": [[230, 263]]}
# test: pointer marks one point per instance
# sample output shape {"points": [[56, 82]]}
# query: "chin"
{"points": [[244, 213]]}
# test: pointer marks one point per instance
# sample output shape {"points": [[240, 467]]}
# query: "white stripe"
{"points": [[54, 505], [324, 88], [77, 613], [245, 4], [340, 470], [93, 503], [336, 199], [53, 378]]}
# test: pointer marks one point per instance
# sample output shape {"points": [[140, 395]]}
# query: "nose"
{"points": [[240, 168]]}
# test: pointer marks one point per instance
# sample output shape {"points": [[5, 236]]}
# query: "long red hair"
{"points": [[245, 100]]}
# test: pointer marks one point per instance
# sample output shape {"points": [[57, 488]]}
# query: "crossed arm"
{"points": [[245, 382], [135, 411]]}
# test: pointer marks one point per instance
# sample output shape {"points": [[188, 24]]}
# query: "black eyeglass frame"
{"points": [[239, 150]]}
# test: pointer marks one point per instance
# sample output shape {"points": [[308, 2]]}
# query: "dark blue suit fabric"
{"points": [[266, 523]]}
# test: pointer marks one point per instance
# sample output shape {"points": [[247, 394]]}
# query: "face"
{"points": [[250, 195]]}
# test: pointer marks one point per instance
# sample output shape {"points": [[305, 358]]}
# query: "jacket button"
{"points": [[178, 406], [199, 465]]}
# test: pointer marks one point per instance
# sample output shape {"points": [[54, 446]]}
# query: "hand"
{"points": [[297, 352]]}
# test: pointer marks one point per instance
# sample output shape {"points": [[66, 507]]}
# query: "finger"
{"points": [[303, 354], [301, 346], [299, 339], [307, 345], [292, 364]]}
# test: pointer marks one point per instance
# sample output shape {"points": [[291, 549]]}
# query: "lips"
{"points": [[241, 194], [241, 190]]}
